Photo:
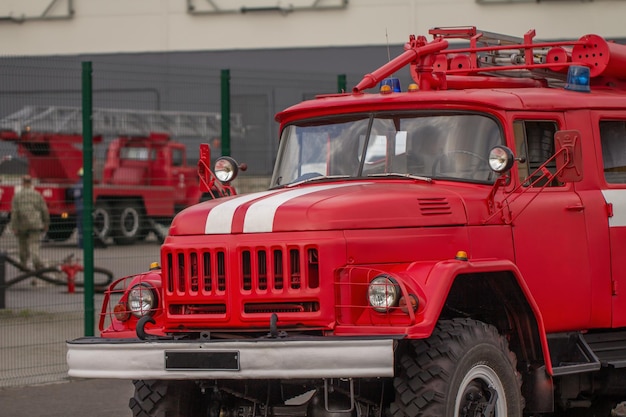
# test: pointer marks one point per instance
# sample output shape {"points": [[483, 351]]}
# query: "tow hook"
{"points": [[141, 332], [274, 333]]}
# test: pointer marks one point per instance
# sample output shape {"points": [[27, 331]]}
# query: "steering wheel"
{"points": [[440, 158]]}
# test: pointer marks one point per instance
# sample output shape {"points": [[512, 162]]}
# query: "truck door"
{"points": [[181, 178], [612, 134], [549, 233]]}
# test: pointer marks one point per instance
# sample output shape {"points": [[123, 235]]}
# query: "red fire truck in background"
{"points": [[145, 178], [451, 249]]}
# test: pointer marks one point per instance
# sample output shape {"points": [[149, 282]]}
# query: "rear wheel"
{"points": [[130, 224], [102, 220], [464, 369], [158, 398]]}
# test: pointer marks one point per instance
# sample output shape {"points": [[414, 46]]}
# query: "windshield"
{"points": [[444, 146], [137, 153]]}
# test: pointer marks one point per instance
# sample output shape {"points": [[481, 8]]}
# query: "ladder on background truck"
{"points": [[116, 122]]}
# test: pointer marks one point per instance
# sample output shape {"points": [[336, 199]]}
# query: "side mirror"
{"points": [[569, 157]]}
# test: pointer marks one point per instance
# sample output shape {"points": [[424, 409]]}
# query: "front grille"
{"points": [[269, 279], [264, 269], [281, 307], [207, 272]]}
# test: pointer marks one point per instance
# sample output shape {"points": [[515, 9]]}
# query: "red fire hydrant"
{"points": [[70, 268]]}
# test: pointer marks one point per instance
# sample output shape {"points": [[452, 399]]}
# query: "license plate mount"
{"points": [[202, 360]]}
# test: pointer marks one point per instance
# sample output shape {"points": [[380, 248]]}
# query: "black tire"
{"points": [[159, 398], [130, 223], [103, 220], [462, 358]]}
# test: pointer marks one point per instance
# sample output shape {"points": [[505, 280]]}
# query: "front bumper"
{"points": [[323, 357]]}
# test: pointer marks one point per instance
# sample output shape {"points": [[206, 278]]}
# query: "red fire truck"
{"points": [[446, 249], [144, 181]]}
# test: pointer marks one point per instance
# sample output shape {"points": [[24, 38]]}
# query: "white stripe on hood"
{"points": [[260, 215]]}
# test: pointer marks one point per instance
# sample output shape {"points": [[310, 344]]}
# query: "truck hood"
{"points": [[336, 206]]}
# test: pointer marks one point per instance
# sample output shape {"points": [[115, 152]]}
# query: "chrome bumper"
{"points": [[95, 357]]}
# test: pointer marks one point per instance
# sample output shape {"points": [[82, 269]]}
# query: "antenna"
{"points": [[388, 52]]}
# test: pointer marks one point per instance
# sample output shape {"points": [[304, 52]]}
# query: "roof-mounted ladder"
{"points": [[117, 122]]}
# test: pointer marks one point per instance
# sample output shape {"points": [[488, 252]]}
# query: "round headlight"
{"points": [[501, 159], [383, 293], [226, 169], [141, 300]]}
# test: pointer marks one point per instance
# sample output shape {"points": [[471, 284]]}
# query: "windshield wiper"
{"points": [[317, 178], [397, 174]]}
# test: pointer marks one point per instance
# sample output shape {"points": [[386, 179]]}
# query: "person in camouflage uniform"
{"points": [[29, 219]]}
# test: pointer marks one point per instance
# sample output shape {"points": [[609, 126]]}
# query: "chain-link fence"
{"points": [[148, 122]]}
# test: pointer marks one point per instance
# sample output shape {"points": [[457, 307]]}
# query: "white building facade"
{"points": [[70, 27]]}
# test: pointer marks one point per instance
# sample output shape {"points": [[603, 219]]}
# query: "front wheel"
{"points": [[464, 369], [159, 398]]}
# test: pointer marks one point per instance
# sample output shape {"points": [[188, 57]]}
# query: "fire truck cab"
{"points": [[450, 249]]}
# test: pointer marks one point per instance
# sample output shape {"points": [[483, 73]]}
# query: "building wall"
{"points": [[276, 58], [45, 27]]}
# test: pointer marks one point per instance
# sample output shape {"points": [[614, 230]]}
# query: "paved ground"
{"points": [[35, 323], [76, 398]]}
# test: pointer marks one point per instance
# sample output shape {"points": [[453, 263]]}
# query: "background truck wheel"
{"points": [[157, 398], [102, 218], [463, 368], [130, 224]]}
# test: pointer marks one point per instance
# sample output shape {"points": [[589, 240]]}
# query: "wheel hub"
{"points": [[480, 401]]}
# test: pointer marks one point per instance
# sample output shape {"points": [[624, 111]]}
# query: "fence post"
{"points": [[3, 280], [225, 98], [87, 220], [342, 83]]}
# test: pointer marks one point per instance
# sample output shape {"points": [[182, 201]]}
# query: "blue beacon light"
{"points": [[578, 79], [394, 83]]}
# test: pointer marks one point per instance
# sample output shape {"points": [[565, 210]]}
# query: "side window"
{"points": [[534, 143], [177, 157], [613, 142]]}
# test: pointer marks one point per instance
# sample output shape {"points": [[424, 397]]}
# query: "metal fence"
{"points": [[38, 96]]}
